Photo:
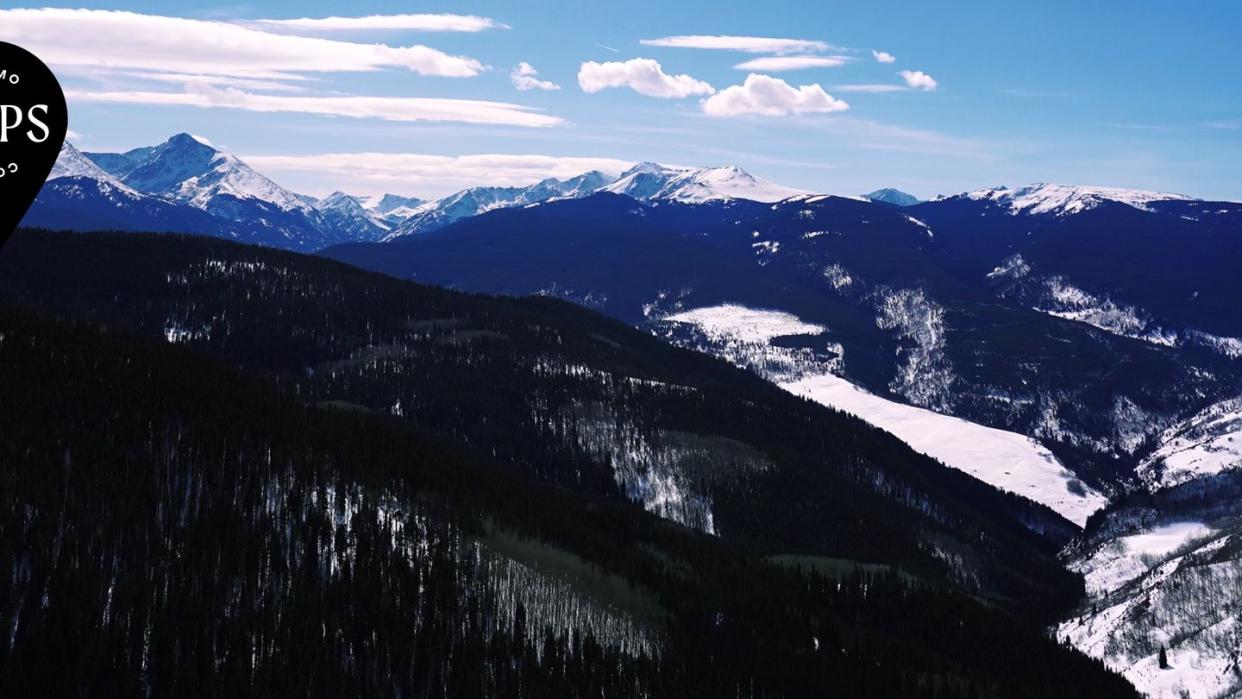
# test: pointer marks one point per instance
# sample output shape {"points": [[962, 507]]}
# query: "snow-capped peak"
{"points": [[189, 169], [695, 185], [1062, 200], [70, 162]]}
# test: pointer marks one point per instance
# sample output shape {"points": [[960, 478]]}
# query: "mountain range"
{"points": [[1077, 346]]}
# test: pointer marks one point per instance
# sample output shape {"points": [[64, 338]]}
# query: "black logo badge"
{"points": [[33, 121]]}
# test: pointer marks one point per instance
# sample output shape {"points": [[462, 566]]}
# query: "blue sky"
{"points": [[1138, 94]]}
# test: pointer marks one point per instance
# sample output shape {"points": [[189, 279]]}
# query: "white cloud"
{"points": [[524, 78], [918, 79], [218, 80], [868, 87], [768, 96], [431, 174], [415, 22], [71, 135], [643, 75], [94, 39], [747, 44], [883, 56], [359, 107], [779, 63]]}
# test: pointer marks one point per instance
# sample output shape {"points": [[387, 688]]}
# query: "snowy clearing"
{"points": [[1002, 459], [1005, 460]]}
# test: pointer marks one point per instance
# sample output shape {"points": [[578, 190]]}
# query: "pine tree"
{"points": [[1164, 659]]}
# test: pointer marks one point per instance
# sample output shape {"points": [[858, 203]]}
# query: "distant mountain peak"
{"points": [[72, 163], [1063, 200], [648, 180], [896, 197]]}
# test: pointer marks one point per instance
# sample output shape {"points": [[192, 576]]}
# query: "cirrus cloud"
{"points": [[415, 22], [643, 75], [768, 96], [414, 109], [745, 44], [918, 80], [780, 63], [92, 40], [524, 78]]}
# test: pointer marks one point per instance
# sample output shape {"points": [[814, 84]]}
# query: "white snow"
{"points": [[739, 323], [71, 163], [697, 185], [1162, 588], [712, 184], [1005, 460], [1129, 557], [230, 176], [1207, 443], [1062, 200], [1164, 540]]}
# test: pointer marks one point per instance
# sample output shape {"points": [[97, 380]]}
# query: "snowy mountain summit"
{"points": [[71, 163], [191, 170], [1064, 200], [648, 181]]}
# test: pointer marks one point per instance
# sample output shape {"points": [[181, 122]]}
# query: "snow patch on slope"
{"points": [[925, 374], [1005, 460], [1167, 587], [1206, 444]]}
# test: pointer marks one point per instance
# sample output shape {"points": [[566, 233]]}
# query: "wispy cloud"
{"points": [[219, 81], [768, 96], [414, 22], [1133, 126], [606, 47], [95, 39], [870, 87], [643, 75], [438, 173], [524, 77], [410, 109], [774, 64], [1225, 124], [883, 56], [918, 80], [746, 44], [1022, 92]]}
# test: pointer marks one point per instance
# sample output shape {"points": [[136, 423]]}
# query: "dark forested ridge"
{"points": [[344, 505]]}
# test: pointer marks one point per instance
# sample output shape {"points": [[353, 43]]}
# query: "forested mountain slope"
{"points": [[175, 526], [564, 394]]}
